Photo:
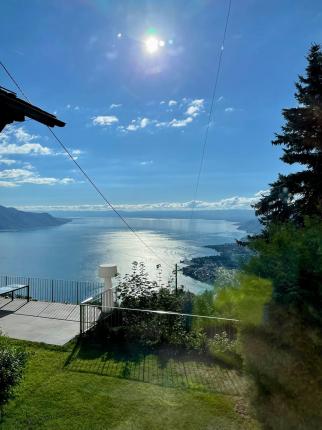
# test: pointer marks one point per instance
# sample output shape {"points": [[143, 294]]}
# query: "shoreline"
{"points": [[229, 255]]}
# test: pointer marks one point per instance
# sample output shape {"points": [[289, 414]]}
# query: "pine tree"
{"points": [[296, 195]]}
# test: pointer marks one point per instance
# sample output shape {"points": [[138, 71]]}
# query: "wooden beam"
{"points": [[14, 109]]}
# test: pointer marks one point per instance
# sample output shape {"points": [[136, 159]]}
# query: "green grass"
{"points": [[69, 388]]}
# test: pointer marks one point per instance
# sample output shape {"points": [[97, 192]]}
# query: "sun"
{"points": [[151, 45]]}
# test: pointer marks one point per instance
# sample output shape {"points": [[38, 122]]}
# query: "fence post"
{"points": [[77, 293], [29, 290], [81, 319], [52, 290]]}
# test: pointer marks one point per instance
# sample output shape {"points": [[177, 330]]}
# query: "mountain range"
{"points": [[14, 219]]}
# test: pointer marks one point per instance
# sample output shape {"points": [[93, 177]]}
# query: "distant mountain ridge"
{"points": [[234, 215], [14, 219]]}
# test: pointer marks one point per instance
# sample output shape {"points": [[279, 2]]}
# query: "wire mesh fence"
{"points": [[54, 290]]}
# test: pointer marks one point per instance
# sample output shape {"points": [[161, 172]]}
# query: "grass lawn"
{"points": [[69, 388]]}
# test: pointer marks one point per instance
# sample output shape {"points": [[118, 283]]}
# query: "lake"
{"points": [[74, 251]]}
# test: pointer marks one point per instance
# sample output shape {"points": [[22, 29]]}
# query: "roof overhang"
{"points": [[14, 109]]}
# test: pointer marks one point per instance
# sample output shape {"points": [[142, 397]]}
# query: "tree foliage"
{"points": [[138, 292], [299, 194], [291, 258], [283, 352], [12, 362]]}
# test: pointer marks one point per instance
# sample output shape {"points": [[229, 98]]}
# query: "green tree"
{"points": [[298, 194], [282, 353], [291, 257]]}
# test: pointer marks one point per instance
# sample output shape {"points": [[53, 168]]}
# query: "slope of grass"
{"points": [[54, 395]]}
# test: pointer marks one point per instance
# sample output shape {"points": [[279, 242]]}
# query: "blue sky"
{"points": [[136, 120]]}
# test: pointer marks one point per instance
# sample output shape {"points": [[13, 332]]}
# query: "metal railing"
{"points": [[91, 310], [92, 313], [54, 290]]}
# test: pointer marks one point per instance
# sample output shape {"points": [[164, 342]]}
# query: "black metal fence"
{"points": [[126, 317], [92, 312], [53, 290]]}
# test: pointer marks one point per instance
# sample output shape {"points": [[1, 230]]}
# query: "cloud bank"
{"points": [[235, 202], [16, 177]]}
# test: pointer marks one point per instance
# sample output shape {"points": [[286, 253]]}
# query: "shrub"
{"points": [[137, 291], [12, 362], [222, 343]]}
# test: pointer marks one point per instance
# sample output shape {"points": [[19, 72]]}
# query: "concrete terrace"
{"points": [[37, 321]]}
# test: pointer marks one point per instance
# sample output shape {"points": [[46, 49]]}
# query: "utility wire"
{"points": [[108, 203], [214, 93], [14, 81], [89, 179]]}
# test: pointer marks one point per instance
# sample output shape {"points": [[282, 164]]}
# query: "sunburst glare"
{"points": [[151, 45]]}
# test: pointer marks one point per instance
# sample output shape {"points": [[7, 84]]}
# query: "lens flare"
{"points": [[151, 45]]}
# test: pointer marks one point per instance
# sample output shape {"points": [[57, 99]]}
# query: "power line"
{"points": [[14, 81], [108, 203], [214, 92], [89, 179]]}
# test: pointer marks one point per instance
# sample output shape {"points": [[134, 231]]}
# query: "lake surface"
{"points": [[74, 251]]}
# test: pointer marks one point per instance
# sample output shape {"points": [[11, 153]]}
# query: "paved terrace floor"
{"points": [[52, 323]]}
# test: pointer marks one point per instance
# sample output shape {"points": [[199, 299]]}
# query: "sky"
{"points": [[133, 81]]}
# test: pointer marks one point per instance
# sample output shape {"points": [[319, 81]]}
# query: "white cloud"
{"points": [[15, 173], [26, 145], [17, 177], [137, 124], [115, 105], [27, 165], [195, 107], [180, 122], [146, 163], [192, 110], [188, 108], [144, 122], [6, 184], [23, 136], [161, 124], [132, 127], [74, 152], [236, 202], [230, 109], [105, 120], [27, 148], [47, 181], [7, 161]]}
